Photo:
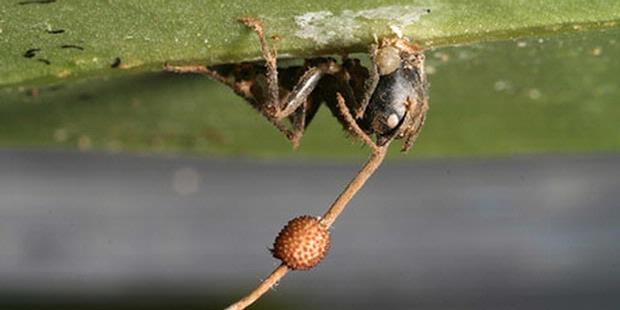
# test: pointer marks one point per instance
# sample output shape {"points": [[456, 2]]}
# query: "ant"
{"points": [[390, 100]]}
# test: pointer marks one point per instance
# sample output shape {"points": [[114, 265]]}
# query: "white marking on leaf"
{"points": [[325, 27]]}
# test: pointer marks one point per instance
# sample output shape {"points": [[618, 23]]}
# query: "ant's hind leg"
{"points": [[352, 125], [302, 118], [298, 120], [291, 135], [199, 69], [269, 54], [213, 74]]}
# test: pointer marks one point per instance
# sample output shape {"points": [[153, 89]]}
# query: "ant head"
{"points": [[393, 52], [387, 59]]}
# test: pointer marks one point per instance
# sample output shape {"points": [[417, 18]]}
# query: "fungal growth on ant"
{"points": [[302, 243], [388, 101]]}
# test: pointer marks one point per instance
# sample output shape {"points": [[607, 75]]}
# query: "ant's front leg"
{"points": [[271, 108], [352, 125], [276, 108], [267, 101], [370, 84], [241, 88], [200, 69], [293, 104]]}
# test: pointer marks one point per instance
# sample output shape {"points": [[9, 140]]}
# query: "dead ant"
{"points": [[389, 100]]}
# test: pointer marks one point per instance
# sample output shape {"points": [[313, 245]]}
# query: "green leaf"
{"points": [[532, 79], [543, 94], [74, 38]]}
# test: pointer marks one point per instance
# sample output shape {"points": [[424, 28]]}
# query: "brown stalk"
{"points": [[328, 219]]}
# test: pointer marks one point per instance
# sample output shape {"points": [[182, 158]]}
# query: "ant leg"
{"points": [[412, 136], [271, 109], [312, 107], [270, 57], [200, 69], [418, 113], [299, 95], [295, 106], [298, 103], [352, 125], [298, 120], [370, 84], [276, 109]]}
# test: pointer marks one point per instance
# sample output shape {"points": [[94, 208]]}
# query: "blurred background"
{"points": [[156, 191]]}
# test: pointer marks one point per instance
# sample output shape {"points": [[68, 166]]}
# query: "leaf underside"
{"points": [[542, 80], [44, 41]]}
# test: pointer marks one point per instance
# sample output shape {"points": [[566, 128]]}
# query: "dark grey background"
{"points": [[518, 233]]}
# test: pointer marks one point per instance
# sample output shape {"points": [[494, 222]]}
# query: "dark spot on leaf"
{"points": [[31, 52], [36, 2], [56, 31], [77, 47], [45, 61], [116, 63]]}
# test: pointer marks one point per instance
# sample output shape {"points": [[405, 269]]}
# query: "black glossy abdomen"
{"points": [[389, 98]]}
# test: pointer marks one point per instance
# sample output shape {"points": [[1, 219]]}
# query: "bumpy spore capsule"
{"points": [[302, 243]]}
